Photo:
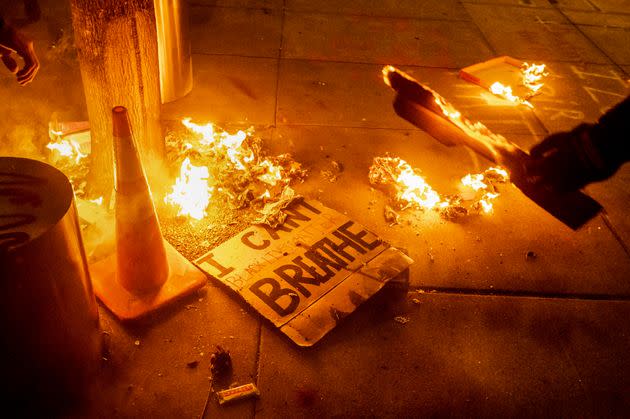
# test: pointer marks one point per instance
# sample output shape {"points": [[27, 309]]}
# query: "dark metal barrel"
{"points": [[49, 331]]}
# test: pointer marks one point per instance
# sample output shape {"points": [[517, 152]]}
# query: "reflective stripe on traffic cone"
{"points": [[147, 272]]}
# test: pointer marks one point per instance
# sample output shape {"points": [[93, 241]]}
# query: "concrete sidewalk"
{"points": [[491, 332]]}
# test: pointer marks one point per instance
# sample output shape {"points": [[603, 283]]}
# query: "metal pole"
{"points": [[173, 39]]}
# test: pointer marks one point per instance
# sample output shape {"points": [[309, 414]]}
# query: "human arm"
{"points": [[13, 41], [588, 153]]}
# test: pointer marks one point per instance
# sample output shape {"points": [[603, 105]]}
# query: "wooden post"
{"points": [[117, 48]]}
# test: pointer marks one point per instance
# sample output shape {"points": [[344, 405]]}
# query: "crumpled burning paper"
{"points": [[237, 168], [409, 189], [272, 213]]}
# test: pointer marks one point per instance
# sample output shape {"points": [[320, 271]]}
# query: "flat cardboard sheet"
{"points": [[307, 274]]}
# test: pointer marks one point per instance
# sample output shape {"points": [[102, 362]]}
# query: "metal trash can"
{"points": [[50, 347], [173, 39]]}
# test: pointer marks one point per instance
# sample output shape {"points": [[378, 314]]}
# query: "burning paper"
{"points": [[429, 111], [69, 151], [213, 161], [272, 213], [307, 274], [411, 190]]}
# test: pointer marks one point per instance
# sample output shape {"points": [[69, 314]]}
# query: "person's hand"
{"points": [[566, 161], [12, 41]]}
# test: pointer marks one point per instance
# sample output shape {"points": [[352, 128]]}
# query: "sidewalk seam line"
{"points": [[479, 31], [521, 294], [257, 365], [593, 43], [613, 230], [278, 64], [317, 60]]}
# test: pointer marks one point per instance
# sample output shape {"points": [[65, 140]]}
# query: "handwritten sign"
{"points": [[307, 274]]}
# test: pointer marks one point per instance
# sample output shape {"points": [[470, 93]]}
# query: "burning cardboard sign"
{"points": [[308, 273], [514, 80]]}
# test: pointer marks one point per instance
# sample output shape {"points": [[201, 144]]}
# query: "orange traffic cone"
{"points": [[147, 272]]}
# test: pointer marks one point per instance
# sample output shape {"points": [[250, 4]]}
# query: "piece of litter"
{"points": [[237, 393], [192, 364], [332, 172], [220, 362], [390, 215], [272, 213], [401, 319], [137, 343], [530, 255], [416, 301]]}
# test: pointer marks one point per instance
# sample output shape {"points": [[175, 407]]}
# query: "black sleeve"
{"points": [[611, 135]]}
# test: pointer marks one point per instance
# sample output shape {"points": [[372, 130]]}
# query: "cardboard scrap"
{"points": [[504, 69], [237, 393], [308, 273]]}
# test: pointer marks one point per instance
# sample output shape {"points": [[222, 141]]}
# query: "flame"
{"points": [[229, 144], [272, 175], [532, 75], [497, 173], [97, 201], [191, 192], [474, 181], [412, 190], [206, 131], [67, 148], [486, 201], [386, 70], [473, 129], [506, 92]]}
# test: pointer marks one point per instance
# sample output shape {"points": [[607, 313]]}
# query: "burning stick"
{"points": [[429, 111]]}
